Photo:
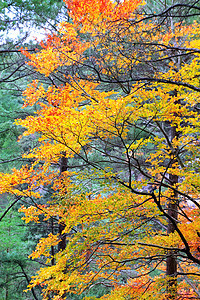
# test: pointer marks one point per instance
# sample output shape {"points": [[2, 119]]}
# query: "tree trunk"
{"points": [[171, 262], [52, 247], [61, 227]]}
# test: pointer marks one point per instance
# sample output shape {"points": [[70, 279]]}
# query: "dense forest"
{"points": [[99, 149]]}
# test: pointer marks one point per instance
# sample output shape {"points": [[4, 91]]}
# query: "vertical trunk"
{"points": [[62, 243], [171, 262], [52, 247], [61, 227]]}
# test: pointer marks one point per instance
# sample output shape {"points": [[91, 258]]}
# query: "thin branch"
{"points": [[7, 210]]}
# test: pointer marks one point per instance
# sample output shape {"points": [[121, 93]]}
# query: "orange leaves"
{"points": [[140, 288], [56, 52], [88, 11], [26, 181], [93, 17], [139, 138], [44, 246], [68, 31], [75, 212], [69, 123], [98, 11], [192, 229], [32, 93], [31, 213], [11, 183]]}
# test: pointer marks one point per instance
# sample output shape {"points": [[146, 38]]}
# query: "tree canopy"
{"points": [[118, 140]]}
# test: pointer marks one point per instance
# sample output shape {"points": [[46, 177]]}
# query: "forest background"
{"points": [[105, 164]]}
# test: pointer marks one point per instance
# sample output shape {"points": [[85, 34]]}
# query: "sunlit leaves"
{"points": [[126, 146]]}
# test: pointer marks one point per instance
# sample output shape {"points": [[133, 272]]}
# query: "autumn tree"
{"points": [[123, 115]]}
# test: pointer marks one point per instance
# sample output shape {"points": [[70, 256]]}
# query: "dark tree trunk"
{"points": [[171, 262], [61, 227], [62, 243], [52, 247]]}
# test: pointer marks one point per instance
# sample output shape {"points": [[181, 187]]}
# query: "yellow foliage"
{"points": [[138, 153]]}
